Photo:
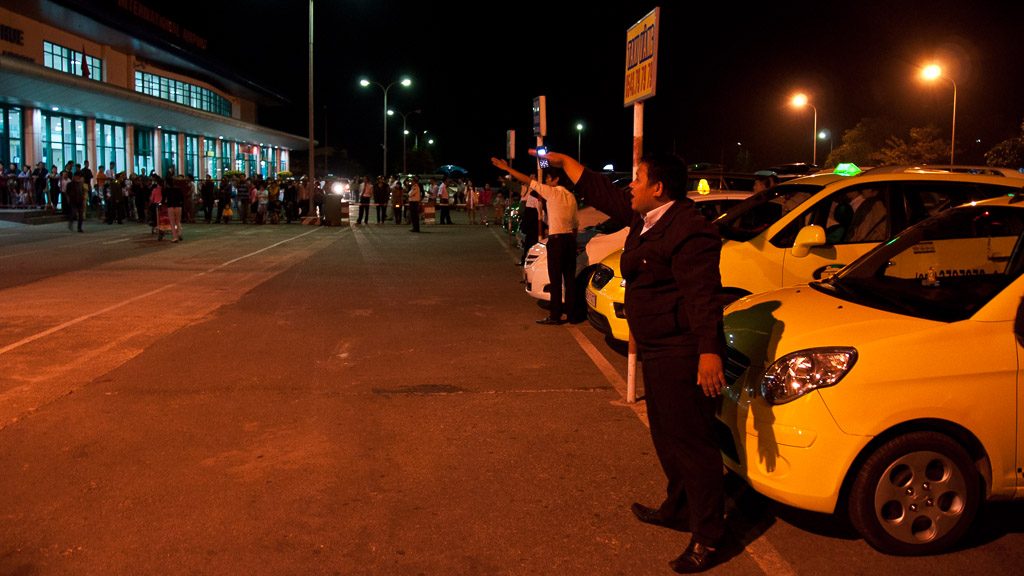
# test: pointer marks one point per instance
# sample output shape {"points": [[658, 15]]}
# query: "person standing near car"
{"points": [[529, 225], [415, 193], [670, 264], [561, 245]]}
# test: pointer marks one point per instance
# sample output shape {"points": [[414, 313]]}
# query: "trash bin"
{"points": [[333, 210]]}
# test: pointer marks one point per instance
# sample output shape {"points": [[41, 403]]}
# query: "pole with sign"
{"points": [[640, 84], [540, 130], [540, 123]]}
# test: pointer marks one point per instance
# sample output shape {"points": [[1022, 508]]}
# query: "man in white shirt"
{"points": [[561, 242]]}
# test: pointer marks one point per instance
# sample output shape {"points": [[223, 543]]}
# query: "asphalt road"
{"points": [[357, 400]]}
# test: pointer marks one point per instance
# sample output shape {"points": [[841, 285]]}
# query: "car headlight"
{"points": [[798, 373]]}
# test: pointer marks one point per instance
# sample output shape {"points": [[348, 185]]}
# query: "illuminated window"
{"points": [[182, 93], [10, 136], [69, 61], [110, 146]]}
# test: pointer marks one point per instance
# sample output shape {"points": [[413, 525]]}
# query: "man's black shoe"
{"points": [[658, 518], [696, 558], [551, 321]]}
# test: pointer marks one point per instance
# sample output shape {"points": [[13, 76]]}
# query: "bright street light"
{"points": [[405, 131], [579, 142], [404, 82], [933, 72], [799, 100], [826, 134]]}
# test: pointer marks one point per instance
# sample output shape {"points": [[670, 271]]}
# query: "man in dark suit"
{"points": [[670, 264]]}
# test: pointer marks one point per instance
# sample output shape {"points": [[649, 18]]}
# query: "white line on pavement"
{"points": [[85, 317], [760, 550]]}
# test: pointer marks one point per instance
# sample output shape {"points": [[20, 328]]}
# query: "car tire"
{"points": [[916, 494]]}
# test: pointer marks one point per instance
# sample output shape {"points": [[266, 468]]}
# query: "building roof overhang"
{"points": [[28, 84]]}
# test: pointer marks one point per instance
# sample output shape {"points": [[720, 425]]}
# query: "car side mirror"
{"points": [[808, 237]]}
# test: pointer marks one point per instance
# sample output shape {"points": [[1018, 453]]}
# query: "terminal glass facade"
{"points": [[169, 148], [192, 156], [110, 146], [182, 93], [69, 61], [11, 151], [63, 139], [245, 160], [144, 163]]}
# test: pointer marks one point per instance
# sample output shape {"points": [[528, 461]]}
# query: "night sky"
{"points": [[725, 73]]}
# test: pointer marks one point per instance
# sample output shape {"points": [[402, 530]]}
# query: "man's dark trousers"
{"points": [[562, 269]]}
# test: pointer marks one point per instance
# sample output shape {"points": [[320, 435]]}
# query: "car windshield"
{"points": [[750, 217], [945, 268]]}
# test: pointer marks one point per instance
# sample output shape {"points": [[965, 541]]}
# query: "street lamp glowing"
{"points": [[933, 72], [364, 82], [579, 141], [826, 134], [405, 132], [799, 100]]}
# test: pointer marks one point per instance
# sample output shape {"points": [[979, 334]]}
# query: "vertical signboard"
{"points": [[510, 144], [540, 122], [642, 59]]}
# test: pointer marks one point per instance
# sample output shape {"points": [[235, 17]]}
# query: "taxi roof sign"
{"points": [[847, 169]]}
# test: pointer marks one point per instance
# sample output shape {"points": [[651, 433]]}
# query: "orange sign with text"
{"points": [[642, 59]]}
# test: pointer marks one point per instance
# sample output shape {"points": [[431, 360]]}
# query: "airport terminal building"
{"points": [[116, 81]]}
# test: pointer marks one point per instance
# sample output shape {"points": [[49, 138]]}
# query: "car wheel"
{"points": [[916, 494]]}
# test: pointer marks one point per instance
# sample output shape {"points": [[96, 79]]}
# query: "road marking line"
{"points": [[85, 317], [503, 240], [760, 550], [118, 241], [609, 372]]}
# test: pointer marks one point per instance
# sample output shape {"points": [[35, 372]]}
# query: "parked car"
{"points": [[889, 393], [595, 242], [807, 228]]}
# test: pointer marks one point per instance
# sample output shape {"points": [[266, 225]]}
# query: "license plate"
{"points": [[591, 299]]}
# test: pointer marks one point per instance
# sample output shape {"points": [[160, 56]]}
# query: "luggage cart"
{"points": [[163, 221]]}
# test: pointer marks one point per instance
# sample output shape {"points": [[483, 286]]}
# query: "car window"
{"points": [[752, 216], [852, 215], [712, 209], [944, 269]]}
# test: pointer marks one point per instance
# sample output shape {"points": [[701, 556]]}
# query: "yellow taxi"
{"points": [[890, 391], [807, 228]]}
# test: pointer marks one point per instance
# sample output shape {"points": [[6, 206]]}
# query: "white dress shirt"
{"points": [[651, 218], [561, 207]]}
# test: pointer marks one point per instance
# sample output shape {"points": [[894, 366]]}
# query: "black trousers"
{"points": [[446, 213], [414, 215], [398, 213], [382, 212], [682, 428], [562, 270], [364, 211]]}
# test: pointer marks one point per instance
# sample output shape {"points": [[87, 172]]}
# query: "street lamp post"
{"points": [[579, 142], [405, 132], [826, 134], [404, 82], [933, 72], [312, 148], [800, 100]]}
